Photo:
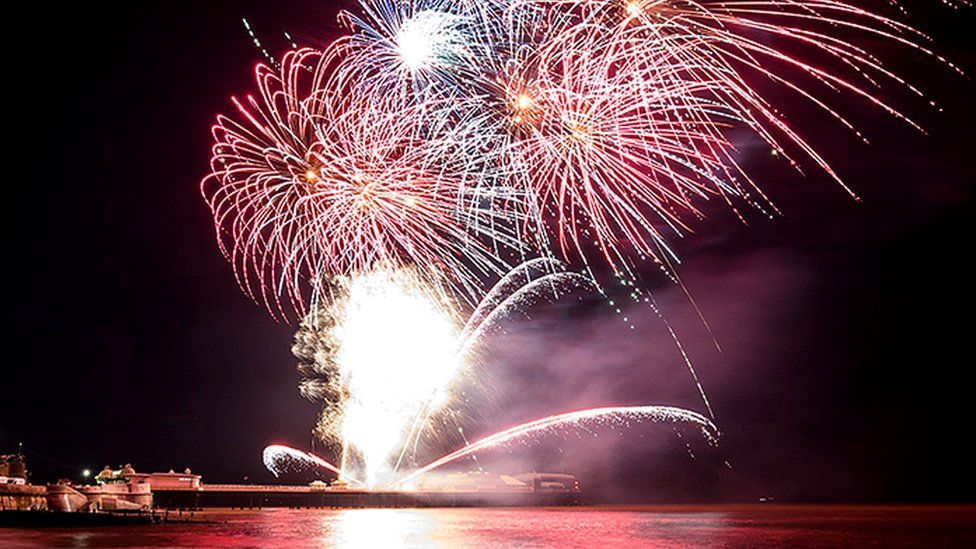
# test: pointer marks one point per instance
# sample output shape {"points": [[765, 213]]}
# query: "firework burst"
{"points": [[461, 135], [447, 140], [312, 184], [379, 397]]}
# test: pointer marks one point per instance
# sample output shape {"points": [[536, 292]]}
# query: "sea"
{"points": [[613, 526]]}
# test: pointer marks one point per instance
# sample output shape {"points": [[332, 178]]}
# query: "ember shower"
{"points": [[449, 161]]}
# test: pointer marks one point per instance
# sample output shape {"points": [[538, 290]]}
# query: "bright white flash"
{"points": [[429, 38], [397, 352]]}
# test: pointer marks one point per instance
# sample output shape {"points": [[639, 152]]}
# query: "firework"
{"points": [[312, 185], [411, 50], [373, 187], [613, 120], [384, 356], [617, 415], [282, 459], [450, 134]]}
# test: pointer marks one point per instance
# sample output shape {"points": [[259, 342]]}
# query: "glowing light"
{"points": [[357, 528], [396, 351], [383, 354], [426, 38]]}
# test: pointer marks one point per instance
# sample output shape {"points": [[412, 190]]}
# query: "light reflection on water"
{"points": [[354, 528], [629, 527]]}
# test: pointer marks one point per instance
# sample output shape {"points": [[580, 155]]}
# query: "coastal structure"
{"points": [[126, 490], [469, 489], [121, 490], [16, 493]]}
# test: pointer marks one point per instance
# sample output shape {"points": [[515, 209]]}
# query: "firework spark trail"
{"points": [[603, 122], [511, 282], [534, 279], [279, 459], [620, 414], [720, 41], [530, 281]]}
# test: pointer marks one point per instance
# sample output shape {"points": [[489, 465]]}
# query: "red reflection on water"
{"points": [[631, 527]]}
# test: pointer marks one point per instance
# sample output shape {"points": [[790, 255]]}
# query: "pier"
{"points": [[260, 496]]}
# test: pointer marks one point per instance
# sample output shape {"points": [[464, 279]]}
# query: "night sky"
{"points": [[845, 327]]}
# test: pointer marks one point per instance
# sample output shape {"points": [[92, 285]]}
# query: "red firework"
{"points": [[446, 134], [310, 185]]}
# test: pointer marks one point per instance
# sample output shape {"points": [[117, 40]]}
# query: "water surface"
{"points": [[644, 526]]}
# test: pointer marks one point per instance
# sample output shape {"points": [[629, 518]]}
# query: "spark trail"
{"points": [[571, 420], [280, 459]]}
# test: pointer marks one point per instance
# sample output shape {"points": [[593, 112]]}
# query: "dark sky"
{"points": [[846, 328]]}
